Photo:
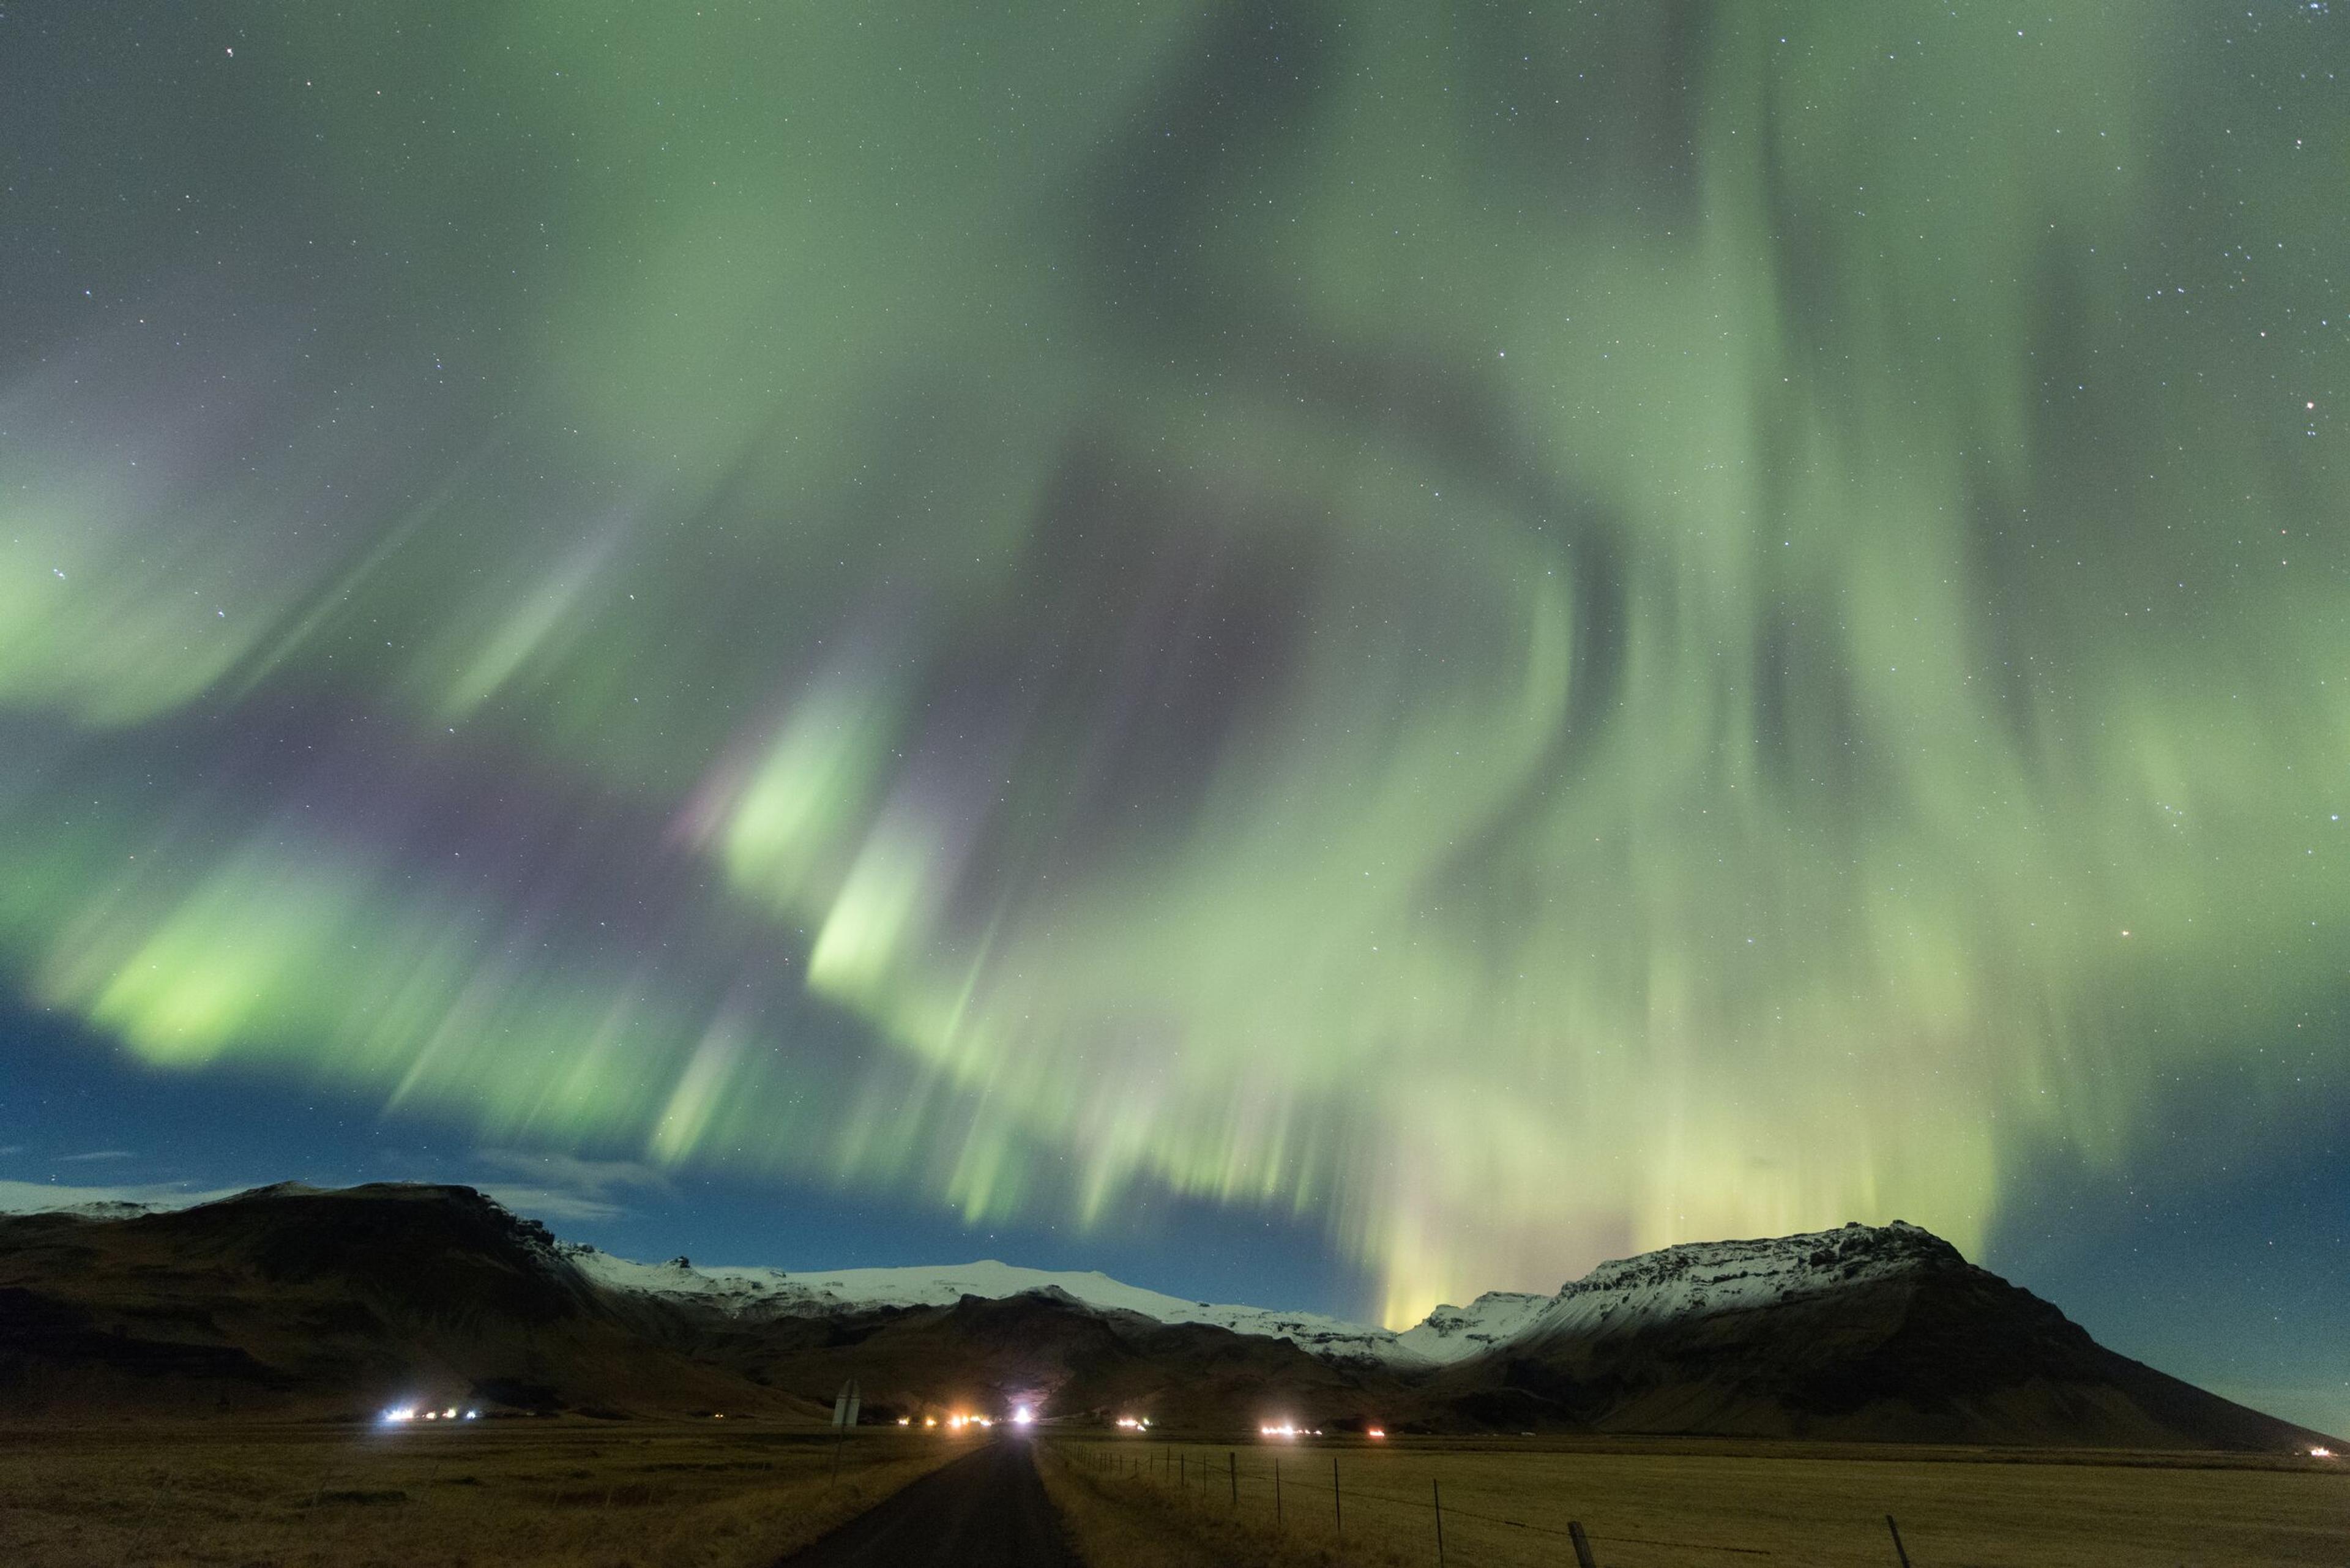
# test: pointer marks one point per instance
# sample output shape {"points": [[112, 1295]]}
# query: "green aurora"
{"points": [[1526, 631]]}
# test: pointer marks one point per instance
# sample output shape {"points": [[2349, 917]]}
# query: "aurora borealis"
{"points": [[1521, 632]]}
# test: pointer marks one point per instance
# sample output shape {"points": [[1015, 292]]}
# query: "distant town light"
{"points": [[1022, 1416], [2321, 1453], [1377, 1432]]}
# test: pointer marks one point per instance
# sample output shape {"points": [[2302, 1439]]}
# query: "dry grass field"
{"points": [[1169, 1504], [570, 1491], [706, 1495]]}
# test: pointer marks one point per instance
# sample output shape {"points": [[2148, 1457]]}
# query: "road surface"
{"points": [[986, 1510]]}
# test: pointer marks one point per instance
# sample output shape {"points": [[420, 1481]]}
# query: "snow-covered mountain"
{"points": [[1707, 1279], [1676, 1284], [1455, 1333], [768, 1292]]}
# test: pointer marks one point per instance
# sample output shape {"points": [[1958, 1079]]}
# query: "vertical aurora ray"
{"points": [[1527, 634]]}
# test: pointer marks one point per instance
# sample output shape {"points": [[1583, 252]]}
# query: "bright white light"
{"points": [[472, 1415], [2321, 1453], [449, 1413], [1022, 1417], [1279, 1430], [1377, 1432], [399, 1413]]}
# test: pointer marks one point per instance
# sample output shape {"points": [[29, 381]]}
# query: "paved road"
{"points": [[986, 1510]]}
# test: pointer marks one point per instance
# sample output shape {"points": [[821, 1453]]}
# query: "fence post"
{"points": [[1438, 1487], [1338, 1509], [1898, 1550], [1582, 1545], [1276, 1496], [1232, 1467]]}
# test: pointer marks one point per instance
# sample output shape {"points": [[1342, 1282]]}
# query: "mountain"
{"points": [[294, 1300], [1459, 1334], [1861, 1334], [772, 1292], [1055, 1354]]}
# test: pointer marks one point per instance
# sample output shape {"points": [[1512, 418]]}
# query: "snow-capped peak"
{"points": [[1456, 1334], [1698, 1279]]}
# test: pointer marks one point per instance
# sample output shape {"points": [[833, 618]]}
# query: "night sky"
{"points": [[1329, 653]]}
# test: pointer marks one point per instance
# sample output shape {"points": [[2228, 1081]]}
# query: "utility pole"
{"points": [[844, 1406]]}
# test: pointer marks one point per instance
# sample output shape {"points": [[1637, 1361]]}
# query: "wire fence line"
{"points": [[1301, 1493]]}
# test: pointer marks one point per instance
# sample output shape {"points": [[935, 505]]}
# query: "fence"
{"points": [[1306, 1491]]}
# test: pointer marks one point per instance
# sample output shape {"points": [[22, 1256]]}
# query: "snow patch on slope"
{"points": [[773, 1292], [940, 1287], [101, 1203], [1703, 1279]]}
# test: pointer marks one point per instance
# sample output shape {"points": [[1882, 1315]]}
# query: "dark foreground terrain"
{"points": [[1691, 1504], [552, 1492], [572, 1492]]}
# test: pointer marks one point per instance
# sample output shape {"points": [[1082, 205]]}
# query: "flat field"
{"points": [[573, 1491], [1154, 1503], [706, 1495]]}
